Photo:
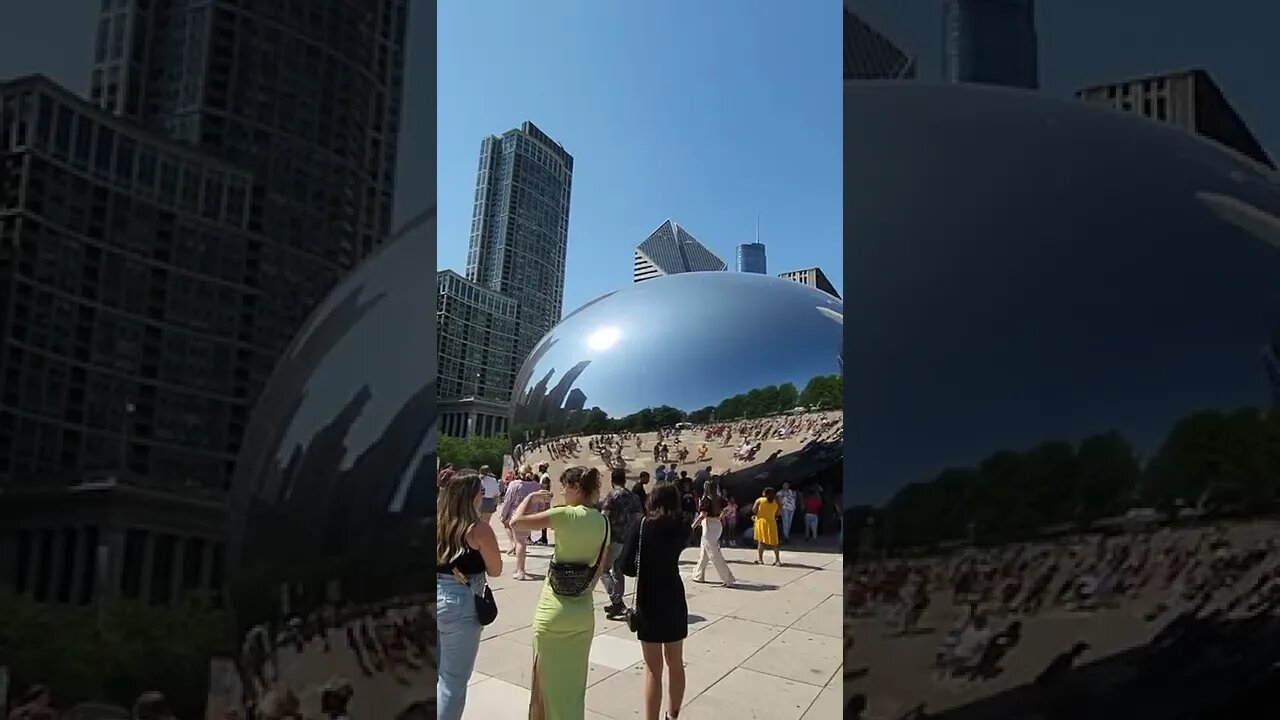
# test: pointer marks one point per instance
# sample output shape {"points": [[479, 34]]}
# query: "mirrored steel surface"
{"points": [[1062, 376], [704, 348], [334, 494]]}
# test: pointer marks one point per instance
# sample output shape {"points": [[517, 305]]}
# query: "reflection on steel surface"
{"points": [[690, 347], [334, 494], [1063, 382]]}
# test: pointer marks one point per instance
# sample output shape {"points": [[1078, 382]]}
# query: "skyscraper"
{"points": [[869, 55], [1190, 100], [991, 42], [671, 249], [305, 96], [520, 228], [751, 258], [123, 291], [476, 340], [166, 240]]}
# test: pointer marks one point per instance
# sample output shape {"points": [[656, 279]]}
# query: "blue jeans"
{"points": [[787, 516], [615, 583], [459, 638]]}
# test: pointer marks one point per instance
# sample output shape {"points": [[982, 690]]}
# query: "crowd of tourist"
{"points": [[602, 535], [1168, 579]]}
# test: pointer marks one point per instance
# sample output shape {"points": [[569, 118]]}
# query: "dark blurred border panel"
{"points": [[1063, 361], [217, 359]]}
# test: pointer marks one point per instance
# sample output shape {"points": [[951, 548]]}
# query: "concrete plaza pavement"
{"points": [[771, 648]]}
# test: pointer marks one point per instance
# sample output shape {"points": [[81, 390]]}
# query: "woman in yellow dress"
{"points": [[766, 511]]}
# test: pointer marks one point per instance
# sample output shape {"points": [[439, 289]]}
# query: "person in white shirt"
{"points": [[788, 498], [490, 486]]}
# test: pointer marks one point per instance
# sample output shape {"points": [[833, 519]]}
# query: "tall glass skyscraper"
{"points": [[991, 42], [520, 228], [306, 96], [751, 258]]}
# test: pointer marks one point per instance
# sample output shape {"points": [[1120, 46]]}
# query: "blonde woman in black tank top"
{"points": [[468, 548]]}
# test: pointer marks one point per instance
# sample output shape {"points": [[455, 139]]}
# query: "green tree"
{"points": [[474, 451], [1107, 476], [788, 397], [823, 391], [1196, 454], [115, 653]]}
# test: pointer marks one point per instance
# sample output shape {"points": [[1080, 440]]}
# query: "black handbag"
{"points": [[635, 622], [486, 606], [572, 579]]}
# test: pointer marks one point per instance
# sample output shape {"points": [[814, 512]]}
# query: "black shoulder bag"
{"points": [[634, 620], [486, 606], [572, 579]]}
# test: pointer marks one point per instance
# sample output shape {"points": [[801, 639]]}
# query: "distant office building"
{"points": [[992, 42], [124, 288], [671, 249], [813, 277], [869, 55], [520, 229], [476, 343], [751, 258], [1190, 100]]}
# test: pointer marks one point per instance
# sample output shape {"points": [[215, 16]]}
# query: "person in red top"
{"points": [[812, 508]]}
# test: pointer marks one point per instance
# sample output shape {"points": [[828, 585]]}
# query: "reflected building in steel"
{"points": [[1064, 397], [670, 250]]}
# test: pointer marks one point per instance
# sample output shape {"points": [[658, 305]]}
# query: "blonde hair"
{"points": [[455, 514]]}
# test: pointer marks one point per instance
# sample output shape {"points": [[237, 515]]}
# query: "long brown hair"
{"points": [[586, 479], [455, 514]]}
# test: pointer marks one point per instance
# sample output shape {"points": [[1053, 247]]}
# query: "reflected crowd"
{"points": [[1104, 619]]}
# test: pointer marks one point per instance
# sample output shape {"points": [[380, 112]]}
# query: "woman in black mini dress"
{"points": [[660, 600]]}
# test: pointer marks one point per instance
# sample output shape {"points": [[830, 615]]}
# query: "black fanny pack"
{"points": [[571, 579]]}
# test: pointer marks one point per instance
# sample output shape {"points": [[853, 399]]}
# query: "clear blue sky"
{"points": [[705, 112]]}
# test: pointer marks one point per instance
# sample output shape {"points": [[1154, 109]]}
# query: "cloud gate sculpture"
{"points": [[749, 364], [334, 495], [1063, 376]]}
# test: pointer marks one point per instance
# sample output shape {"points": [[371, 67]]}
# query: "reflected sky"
{"points": [[687, 341], [1030, 268]]}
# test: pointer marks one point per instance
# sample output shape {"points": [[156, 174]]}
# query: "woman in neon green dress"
{"points": [[563, 626]]}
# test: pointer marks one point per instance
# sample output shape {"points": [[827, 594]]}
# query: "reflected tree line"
{"points": [[824, 392], [1211, 463]]}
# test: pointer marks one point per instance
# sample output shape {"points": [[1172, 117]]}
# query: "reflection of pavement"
{"points": [[720, 457], [900, 677], [762, 653], [895, 671], [380, 696]]}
